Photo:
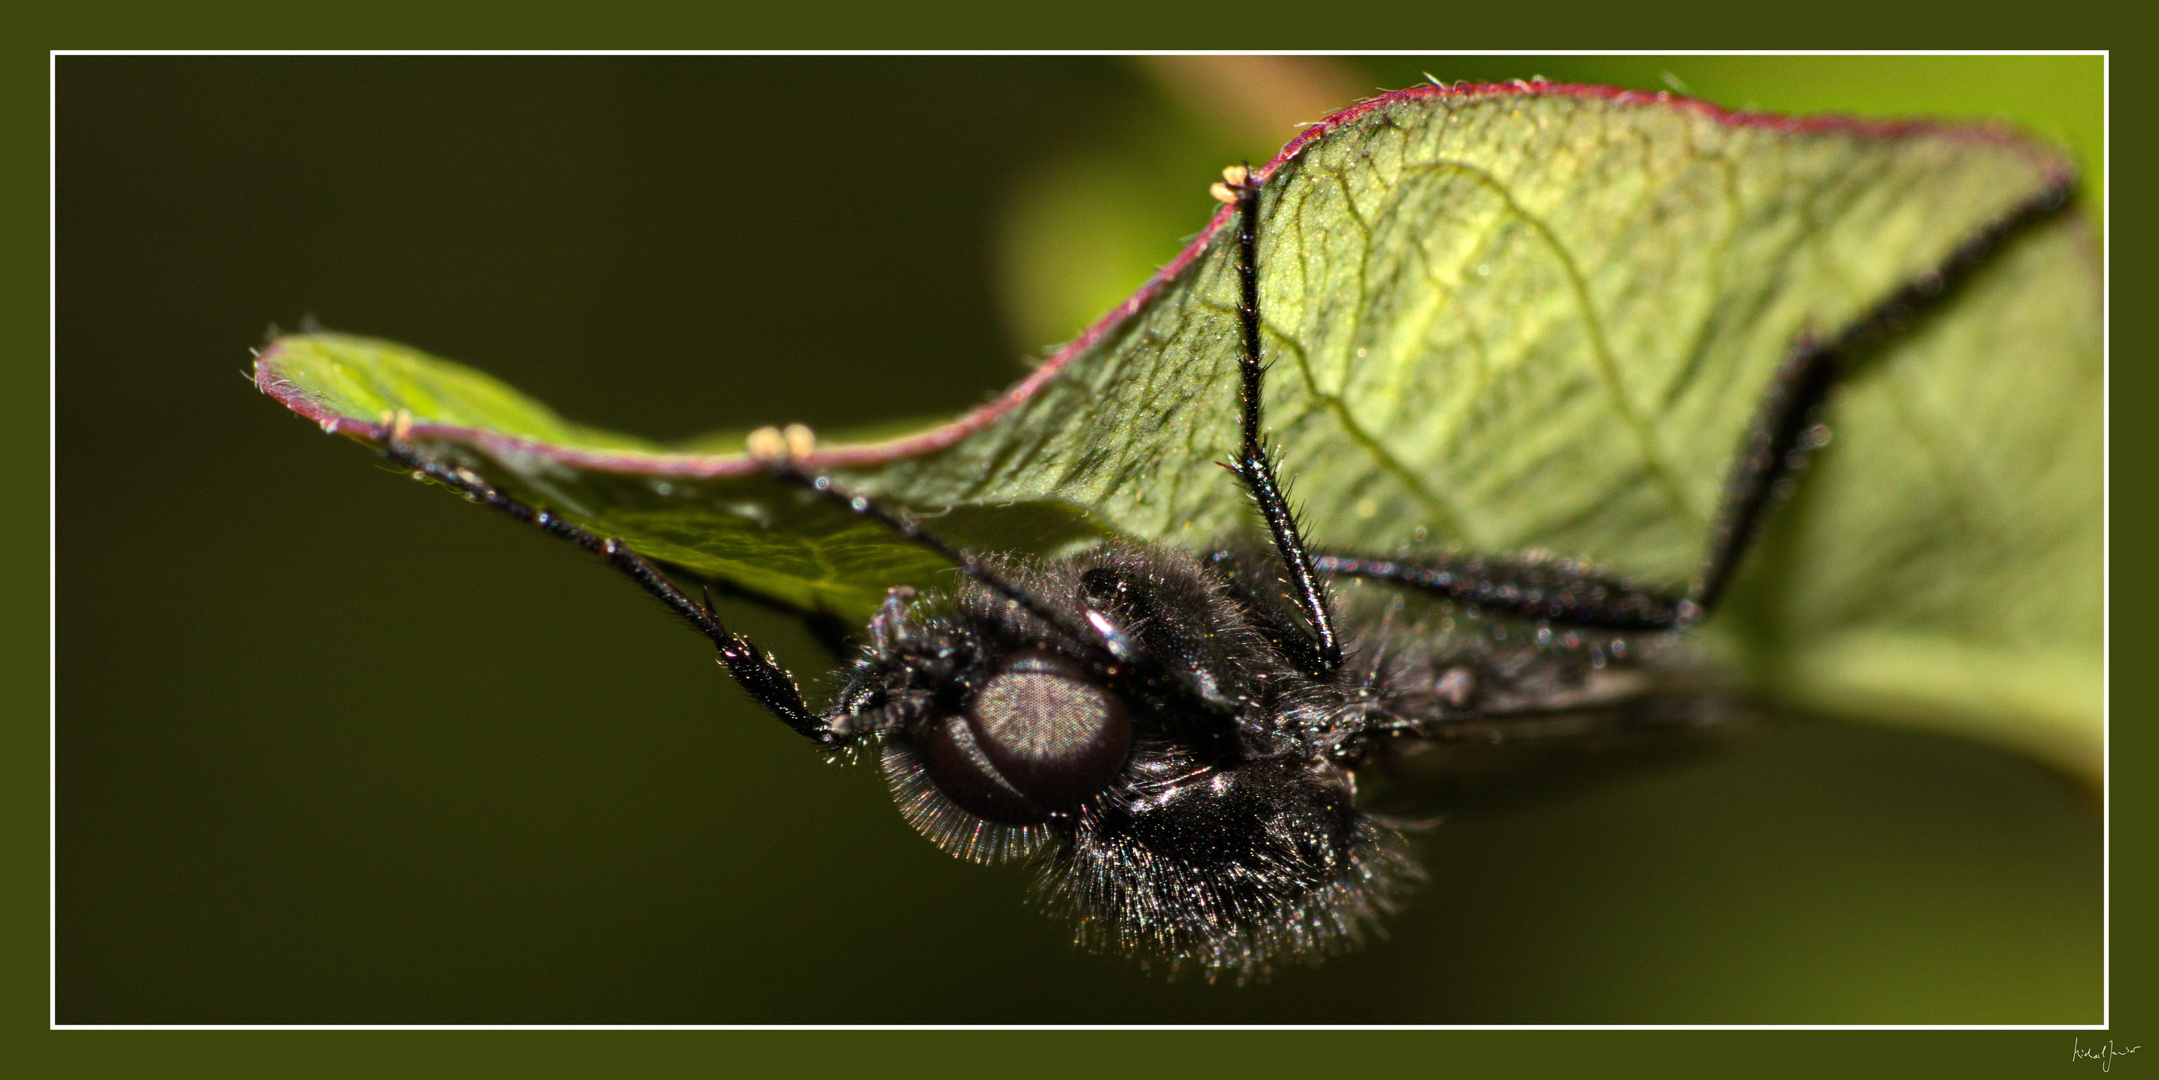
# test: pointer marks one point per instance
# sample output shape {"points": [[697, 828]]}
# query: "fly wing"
{"points": [[1502, 761]]}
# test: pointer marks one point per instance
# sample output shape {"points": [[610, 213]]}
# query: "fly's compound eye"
{"points": [[1040, 738]]}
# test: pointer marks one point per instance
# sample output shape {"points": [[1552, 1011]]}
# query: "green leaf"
{"points": [[1500, 318]]}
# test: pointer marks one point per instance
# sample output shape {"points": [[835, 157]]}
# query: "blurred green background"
{"points": [[335, 748]]}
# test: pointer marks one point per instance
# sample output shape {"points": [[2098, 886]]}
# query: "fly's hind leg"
{"points": [[1786, 429]]}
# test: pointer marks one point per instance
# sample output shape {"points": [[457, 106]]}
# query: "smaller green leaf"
{"points": [[717, 515]]}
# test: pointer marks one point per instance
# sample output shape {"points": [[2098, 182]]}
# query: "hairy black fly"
{"points": [[1177, 738]]}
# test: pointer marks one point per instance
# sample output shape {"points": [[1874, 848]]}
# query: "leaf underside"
{"points": [[1499, 319]]}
